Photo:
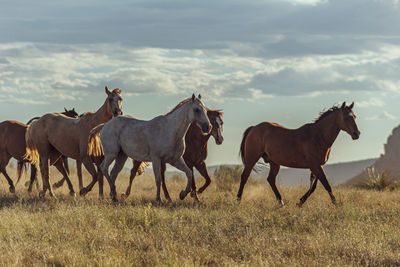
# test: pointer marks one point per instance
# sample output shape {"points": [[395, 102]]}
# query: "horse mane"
{"points": [[180, 104], [324, 114], [218, 111]]}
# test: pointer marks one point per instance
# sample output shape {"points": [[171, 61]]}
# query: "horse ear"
{"points": [[343, 105], [351, 106], [193, 97], [73, 109], [199, 97], [65, 109], [107, 91]]}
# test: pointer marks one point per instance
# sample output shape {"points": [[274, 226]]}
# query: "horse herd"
{"points": [[178, 138]]}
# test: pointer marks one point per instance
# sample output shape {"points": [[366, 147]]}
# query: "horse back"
{"points": [[12, 138]]}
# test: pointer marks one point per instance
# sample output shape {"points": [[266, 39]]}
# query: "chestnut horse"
{"points": [[195, 152], [12, 145], [160, 140], [307, 147], [59, 135]]}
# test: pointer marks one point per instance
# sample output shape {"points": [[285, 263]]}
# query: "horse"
{"points": [[307, 147], [59, 135], [12, 145], [195, 153], [69, 113], [158, 140]]}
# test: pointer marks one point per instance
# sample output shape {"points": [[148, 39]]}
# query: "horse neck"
{"points": [[179, 122], [196, 137], [101, 115], [328, 130]]}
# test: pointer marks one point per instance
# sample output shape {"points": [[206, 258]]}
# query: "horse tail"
{"points": [[94, 144], [21, 167], [32, 155], [242, 143], [142, 168]]}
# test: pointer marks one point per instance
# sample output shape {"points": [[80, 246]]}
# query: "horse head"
{"points": [[198, 114], [114, 101], [215, 117], [70, 113], [347, 121]]}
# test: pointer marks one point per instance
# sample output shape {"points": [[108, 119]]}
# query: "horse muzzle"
{"points": [[219, 140], [206, 128], [355, 135]]}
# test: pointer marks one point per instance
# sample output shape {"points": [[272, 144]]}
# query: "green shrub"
{"points": [[378, 181], [227, 177]]}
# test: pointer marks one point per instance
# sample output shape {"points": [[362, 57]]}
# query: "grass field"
{"points": [[364, 229]]}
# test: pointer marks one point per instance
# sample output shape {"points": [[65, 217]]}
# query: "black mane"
{"points": [[324, 114]]}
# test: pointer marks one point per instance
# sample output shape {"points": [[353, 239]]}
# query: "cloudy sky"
{"points": [[264, 60]]}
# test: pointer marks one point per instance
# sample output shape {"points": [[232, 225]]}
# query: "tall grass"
{"points": [[217, 231]]}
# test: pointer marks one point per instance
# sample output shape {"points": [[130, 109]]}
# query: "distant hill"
{"points": [[389, 161], [337, 173]]}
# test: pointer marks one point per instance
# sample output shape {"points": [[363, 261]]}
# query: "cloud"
{"points": [[372, 102], [382, 116]]}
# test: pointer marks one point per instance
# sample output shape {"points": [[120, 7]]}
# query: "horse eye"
{"points": [[197, 110]]}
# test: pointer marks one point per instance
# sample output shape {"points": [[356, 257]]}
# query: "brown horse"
{"points": [[307, 147], [195, 152], [69, 113], [12, 145], [59, 135]]}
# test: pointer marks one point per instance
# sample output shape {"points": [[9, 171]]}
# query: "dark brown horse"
{"points": [[195, 152], [307, 147], [13, 145]]}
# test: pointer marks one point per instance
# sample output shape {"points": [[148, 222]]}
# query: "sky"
{"points": [[263, 60]]}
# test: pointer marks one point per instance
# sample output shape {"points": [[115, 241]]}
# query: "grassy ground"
{"points": [[362, 230]]}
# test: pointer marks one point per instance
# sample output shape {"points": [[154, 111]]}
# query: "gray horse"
{"points": [[160, 140]]}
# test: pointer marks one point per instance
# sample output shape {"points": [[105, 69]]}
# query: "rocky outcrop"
{"points": [[389, 161]]}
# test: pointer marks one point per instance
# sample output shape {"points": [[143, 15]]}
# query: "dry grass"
{"points": [[362, 230]]}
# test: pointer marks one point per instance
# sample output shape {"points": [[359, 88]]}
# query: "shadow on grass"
{"points": [[12, 200]]}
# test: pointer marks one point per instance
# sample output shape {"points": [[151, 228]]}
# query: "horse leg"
{"points": [[44, 169], [273, 172], [65, 162], [250, 161], [33, 178], [61, 168], [79, 172], [136, 165], [87, 162], [108, 159], [202, 168], [181, 165], [319, 172], [313, 185], [10, 182], [118, 165], [157, 175], [164, 185]]}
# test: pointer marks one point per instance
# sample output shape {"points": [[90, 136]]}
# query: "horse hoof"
{"points": [[300, 204], [114, 199], [124, 196], [41, 194], [280, 204], [83, 192], [182, 195], [12, 189], [72, 194], [194, 195], [57, 185]]}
